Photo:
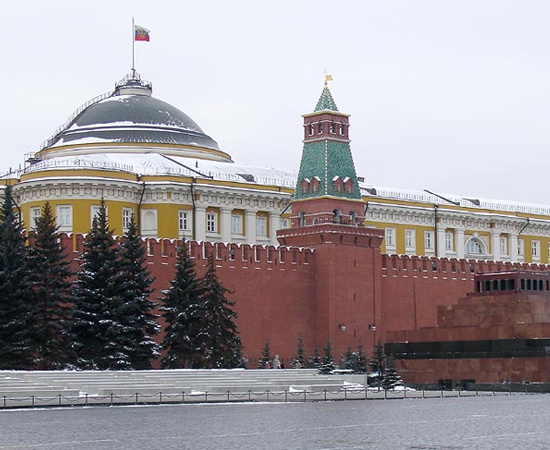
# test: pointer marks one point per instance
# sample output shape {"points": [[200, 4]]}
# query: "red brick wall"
{"points": [[339, 279]]}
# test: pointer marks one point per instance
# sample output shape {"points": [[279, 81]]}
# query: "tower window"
{"points": [[319, 128], [348, 186], [305, 186], [332, 128], [310, 129], [315, 184]]}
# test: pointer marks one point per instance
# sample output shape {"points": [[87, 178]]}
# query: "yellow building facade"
{"points": [[150, 160]]}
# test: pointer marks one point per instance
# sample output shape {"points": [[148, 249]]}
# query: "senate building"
{"points": [[316, 253], [148, 158]]}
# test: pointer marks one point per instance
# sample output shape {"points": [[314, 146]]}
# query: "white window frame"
{"points": [[410, 240], [184, 218], [474, 243], [36, 213], [535, 250], [503, 245], [126, 218], [149, 222], [390, 238], [212, 222], [449, 241], [94, 211], [64, 217], [428, 240], [261, 226], [521, 247], [237, 224], [283, 223]]}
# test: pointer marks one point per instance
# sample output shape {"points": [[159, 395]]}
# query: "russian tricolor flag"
{"points": [[141, 34]]}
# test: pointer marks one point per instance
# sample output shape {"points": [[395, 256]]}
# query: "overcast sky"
{"points": [[447, 95]]}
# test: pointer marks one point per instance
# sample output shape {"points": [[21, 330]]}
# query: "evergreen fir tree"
{"points": [[378, 359], [328, 363], [265, 360], [391, 377], [181, 312], [134, 311], [347, 359], [314, 361], [16, 295], [300, 361], [98, 298], [52, 290], [219, 339], [328, 357], [359, 361]]}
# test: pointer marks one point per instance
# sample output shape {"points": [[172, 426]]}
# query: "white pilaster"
{"points": [[495, 243], [440, 240], [226, 225], [251, 227], [514, 247], [200, 223], [460, 243], [273, 227]]}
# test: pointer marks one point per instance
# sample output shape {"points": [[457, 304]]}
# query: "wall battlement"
{"points": [[447, 268], [164, 251]]}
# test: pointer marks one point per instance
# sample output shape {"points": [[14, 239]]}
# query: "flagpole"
{"points": [[133, 49]]}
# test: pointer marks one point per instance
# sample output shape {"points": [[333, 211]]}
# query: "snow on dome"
{"points": [[131, 116]]}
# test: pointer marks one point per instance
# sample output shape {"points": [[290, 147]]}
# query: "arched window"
{"points": [[310, 129], [336, 215], [475, 246], [301, 219], [353, 217]]}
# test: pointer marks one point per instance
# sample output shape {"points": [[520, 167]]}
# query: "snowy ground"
{"points": [[502, 422]]}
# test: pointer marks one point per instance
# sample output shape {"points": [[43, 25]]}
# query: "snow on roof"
{"points": [[157, 164], [463, 201]]}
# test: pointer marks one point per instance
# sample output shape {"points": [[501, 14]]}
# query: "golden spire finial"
{"points": [[328, 77]]}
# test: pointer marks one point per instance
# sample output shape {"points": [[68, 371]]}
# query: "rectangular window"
{"points": [[390, 238], [535, 249], [520, 247], [428, 240], [211, 222], [64, 215], [183, 220], [35, 215], [261, 226], [503, 245], [127, 214], [283, 223], [449, 241], [94, 211], [237, 224], [410, 240]]}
